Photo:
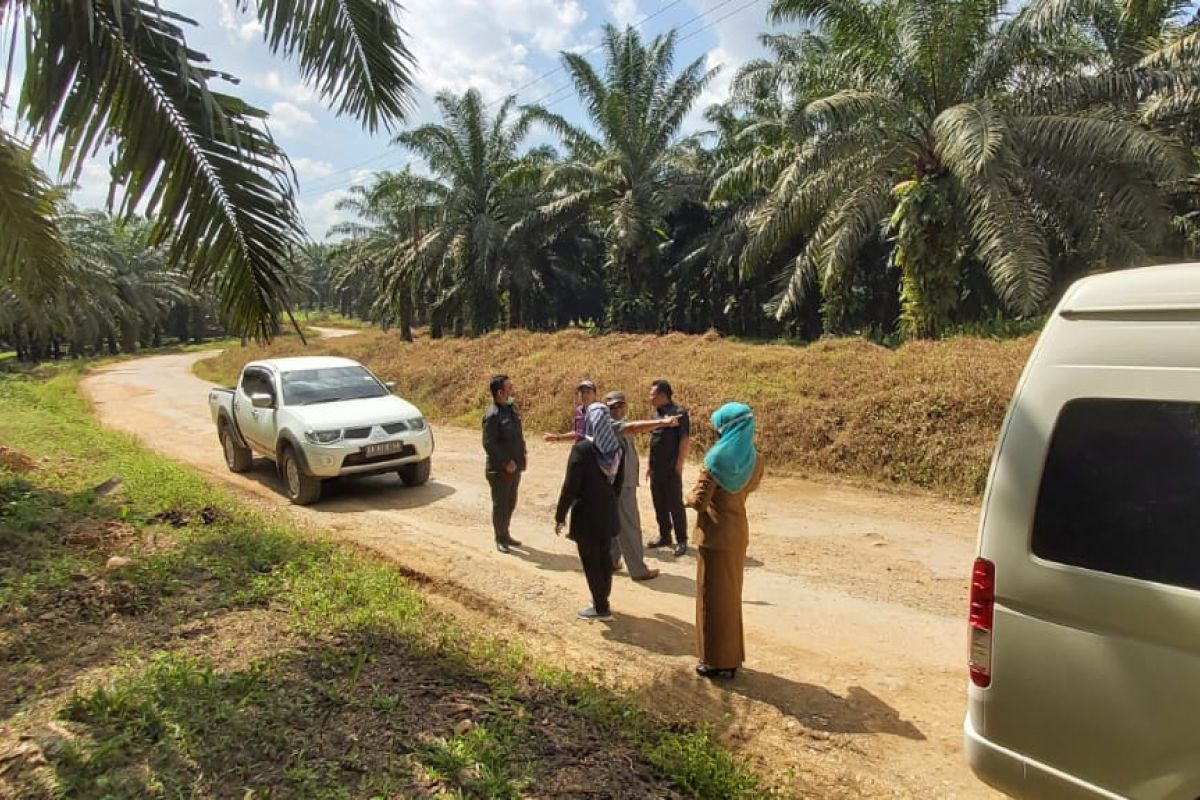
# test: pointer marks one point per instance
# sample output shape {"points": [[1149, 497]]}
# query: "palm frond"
{"points": [[1011, 246], [199, 161], [352, 51], [33, 255], [969, 137]]}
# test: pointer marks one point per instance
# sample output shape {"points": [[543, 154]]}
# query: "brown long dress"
{"points": [[721, 536]]}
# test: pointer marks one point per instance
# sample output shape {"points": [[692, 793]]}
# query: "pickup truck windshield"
{"points": [[305, 387]]}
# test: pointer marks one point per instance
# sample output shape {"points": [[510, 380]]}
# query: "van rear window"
{"points": [[1121, 490]]}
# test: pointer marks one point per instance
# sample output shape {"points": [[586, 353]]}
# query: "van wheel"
{"points": [[417, 473], [237, 458], [301, 488]]}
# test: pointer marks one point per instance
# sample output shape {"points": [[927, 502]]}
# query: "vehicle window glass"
{"points": [[305, 387], [1120, 491], [256, 382]]}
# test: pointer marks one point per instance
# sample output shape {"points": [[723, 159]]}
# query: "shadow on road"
{"points": [[370, 493], [562, 562], [813, 706]]}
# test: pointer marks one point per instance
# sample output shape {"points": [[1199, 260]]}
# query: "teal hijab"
{"points": [[731, 460]]}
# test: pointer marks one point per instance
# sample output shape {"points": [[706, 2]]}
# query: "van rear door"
{"points": [[1092, 522]]}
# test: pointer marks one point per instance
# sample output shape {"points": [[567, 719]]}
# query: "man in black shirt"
{"points": [[504, 444], [668, 453]]}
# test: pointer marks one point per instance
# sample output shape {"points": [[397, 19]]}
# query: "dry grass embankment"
{"points": [[925, 414]]}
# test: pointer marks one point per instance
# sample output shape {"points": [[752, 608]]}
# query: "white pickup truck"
{"points": [[318, 418]]}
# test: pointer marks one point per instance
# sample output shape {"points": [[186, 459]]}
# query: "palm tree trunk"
{"points": [[406, 319], [927, 255], [516, 318]]}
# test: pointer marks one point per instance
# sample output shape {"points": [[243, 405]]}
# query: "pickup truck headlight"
{"points": [[417, 424], [323, 437]]}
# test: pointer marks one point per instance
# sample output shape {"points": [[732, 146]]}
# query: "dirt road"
{"points": [[854, 600]]}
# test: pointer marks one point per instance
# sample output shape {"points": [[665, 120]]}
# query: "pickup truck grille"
{"points": [[358, 433], [395, 427]]}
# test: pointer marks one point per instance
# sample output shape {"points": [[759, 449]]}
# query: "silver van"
{"points": [[1085, 598]]}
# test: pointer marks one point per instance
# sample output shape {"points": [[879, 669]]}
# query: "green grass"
{"points": [[237, 657], [330, 319]]}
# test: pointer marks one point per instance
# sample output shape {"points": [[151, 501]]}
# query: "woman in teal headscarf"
{"points": [[732, 470]]}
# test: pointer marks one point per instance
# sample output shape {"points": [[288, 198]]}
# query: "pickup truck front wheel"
{"points": [[417, 473], [302, 488], [237, 458]]}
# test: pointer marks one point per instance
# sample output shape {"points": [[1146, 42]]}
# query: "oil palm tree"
{"points": [[634, 172], [487, 186], [121, 291], [130, 278], [968, 138], [200, 162], [390, 215]]}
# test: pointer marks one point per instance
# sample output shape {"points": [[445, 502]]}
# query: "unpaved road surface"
{"points": [[855, 601]]}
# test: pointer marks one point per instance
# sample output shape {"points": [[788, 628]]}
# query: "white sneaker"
{"points": [[590, 613]]}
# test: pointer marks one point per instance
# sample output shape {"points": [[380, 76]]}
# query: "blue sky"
{"points": [[496, 46]]}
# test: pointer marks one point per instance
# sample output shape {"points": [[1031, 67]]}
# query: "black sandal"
{"points": [[705, 671]]}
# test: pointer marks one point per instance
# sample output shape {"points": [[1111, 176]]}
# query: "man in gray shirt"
{"points": [[629, 538]]}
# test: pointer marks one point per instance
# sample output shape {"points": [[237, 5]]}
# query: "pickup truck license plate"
{"points": [[383, 449]]}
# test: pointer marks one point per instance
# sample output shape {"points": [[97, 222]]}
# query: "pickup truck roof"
{"points": [[1167, 289], [303, 362]]}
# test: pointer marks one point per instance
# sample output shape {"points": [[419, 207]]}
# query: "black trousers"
{"points": [[666, 489], [504, 502], [597, 567]]}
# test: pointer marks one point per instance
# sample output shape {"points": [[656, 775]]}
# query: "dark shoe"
{"points": [[503, 547], [705, 671], [511, 542], [659, 542], [681, 549], [616, 567], [650, 575], [590, 613]]}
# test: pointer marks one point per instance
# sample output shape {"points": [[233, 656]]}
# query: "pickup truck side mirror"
{"points": [[391, 385], [262, 400]]}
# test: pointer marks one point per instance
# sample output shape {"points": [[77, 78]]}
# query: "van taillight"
{"points": [[983, 603]]}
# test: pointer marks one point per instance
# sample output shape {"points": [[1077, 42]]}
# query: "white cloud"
{"points": [[737, 42], [462, 44], [309, 169], [321, 213], [623, 12], [292, 91], [91, 190], [290, 120], [242, 27]]}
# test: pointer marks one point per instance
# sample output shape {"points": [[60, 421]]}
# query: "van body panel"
{"points": [[1016, 775], [1095, 676]]}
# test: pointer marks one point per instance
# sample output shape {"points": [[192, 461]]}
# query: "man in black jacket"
{"points": [[668, 454], [504, 444]]}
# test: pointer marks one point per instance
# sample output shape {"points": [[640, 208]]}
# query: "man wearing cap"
{"points": [[587, 396], [628, 542]]}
